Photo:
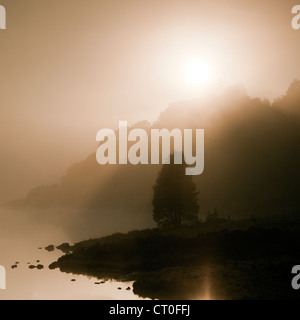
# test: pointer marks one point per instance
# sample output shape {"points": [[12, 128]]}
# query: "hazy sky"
{"points": [[71, 67]]}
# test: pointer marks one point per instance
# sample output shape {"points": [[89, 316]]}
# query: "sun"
{"points": [[197, 73]]}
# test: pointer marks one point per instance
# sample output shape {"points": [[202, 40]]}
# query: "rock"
{"points": [[64, 247], [28, 262], [53, 266], [128, 288], [119, 288], [73, 280], [40, 267], [40, 248], [37, 261], [97, 282], [14, 266], [102, 282], [50, 248], [32, 267], [17, 262]]}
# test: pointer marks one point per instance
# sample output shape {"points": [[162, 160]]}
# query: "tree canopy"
{"points": [[175, 199]]}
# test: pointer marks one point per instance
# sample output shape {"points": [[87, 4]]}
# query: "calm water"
{"points": [[20, 238]]}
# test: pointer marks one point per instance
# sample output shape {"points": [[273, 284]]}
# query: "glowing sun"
{"points": [[197, 72]]}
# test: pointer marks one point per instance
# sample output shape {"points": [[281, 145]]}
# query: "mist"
{"points": [[70, 68]]}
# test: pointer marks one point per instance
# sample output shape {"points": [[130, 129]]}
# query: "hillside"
{"points": [[252, 158]]}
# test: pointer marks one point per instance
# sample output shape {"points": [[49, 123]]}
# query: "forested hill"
{"points": [[252, 158]]}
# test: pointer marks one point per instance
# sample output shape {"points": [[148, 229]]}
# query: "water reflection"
{"points": [[20, 239]]}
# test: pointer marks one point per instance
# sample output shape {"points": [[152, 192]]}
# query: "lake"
{"points": [[20, 240]]}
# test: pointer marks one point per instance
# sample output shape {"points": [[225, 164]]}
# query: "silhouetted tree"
{"points": [[290, 102], [212, 217], [175, 200]]}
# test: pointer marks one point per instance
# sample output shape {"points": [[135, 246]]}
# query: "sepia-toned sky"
{"points": [[71, 67]]}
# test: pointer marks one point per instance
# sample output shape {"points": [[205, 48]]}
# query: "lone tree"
{"points": [[175, 200]]}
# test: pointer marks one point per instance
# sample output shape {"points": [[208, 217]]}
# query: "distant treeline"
{"points": [[252, 158]]}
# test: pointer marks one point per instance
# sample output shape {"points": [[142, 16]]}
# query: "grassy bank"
{"points": [[253, 262]]}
